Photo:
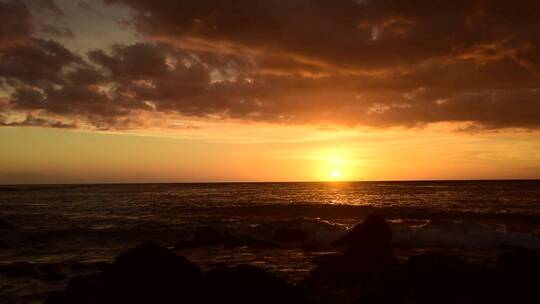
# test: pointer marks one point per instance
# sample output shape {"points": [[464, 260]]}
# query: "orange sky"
{"points": [[262, 153], [302, 90]]}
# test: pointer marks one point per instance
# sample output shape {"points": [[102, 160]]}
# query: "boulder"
{"points": [[6, 225], [521, 264], [248, 284], [438, 278], [377, 297], [19, 269], [146, 274], [519, 270], [373, 233], [366, 257]]}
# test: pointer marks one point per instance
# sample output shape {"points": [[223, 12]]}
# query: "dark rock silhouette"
{"points": [[289, 235], [6, 225], [20, 269], [366, 257], [376, 297], [146, 274], [364, 272], [4, 245], [373, 233], [153, 274], [520, 269], [248, 284], [436, 278]]}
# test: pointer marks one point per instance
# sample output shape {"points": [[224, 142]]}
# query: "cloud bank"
{"points": [[355, 63]]}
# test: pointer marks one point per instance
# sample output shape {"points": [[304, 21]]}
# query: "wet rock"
{"points": [[20, 269], [521, 264], [248, 284], [438, 278], [373, 233], [4, 245], [84, 289], [376, 297], [5, 225], [519, 273], [289, 235], [367, 256], [153, 273], [146, 274]]}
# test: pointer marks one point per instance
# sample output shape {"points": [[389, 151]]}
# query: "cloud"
{"points": [[372, 63], [32, 121], [16, 23]]}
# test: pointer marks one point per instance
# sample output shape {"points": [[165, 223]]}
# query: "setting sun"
{"points": [[335, 173]]}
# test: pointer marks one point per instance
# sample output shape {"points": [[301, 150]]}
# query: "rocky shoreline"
{"points": [[366, 270]]}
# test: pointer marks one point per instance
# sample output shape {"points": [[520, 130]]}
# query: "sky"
{"points": [[98, 91]]}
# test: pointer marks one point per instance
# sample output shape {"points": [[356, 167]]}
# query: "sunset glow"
{"points": [[336, 174], [166, 91]]}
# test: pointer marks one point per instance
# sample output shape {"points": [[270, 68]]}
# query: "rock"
{"points": [[437, 278], [367, 246], [146, 274], [519, 273], [248, 284], [521, 264], [366, 257], [377, 298], [20, 269], [84, 289], [4, 245], [373, 233], [289, 235], [153, 273], [6, 225]]}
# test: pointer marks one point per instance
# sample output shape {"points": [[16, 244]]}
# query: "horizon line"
{"points": [[272, 182]]}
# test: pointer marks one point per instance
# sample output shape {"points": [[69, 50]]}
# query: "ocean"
{"points": [[70, 225]]}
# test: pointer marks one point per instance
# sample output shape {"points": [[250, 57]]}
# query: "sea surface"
{"points": [[68, 224]]}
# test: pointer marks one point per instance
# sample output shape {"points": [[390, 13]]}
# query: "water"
{"points": [[87, 223]]}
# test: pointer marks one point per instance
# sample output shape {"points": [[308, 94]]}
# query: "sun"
{"points": [[335, 173]]}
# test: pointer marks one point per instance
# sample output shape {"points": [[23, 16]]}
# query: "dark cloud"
{"points": [[16, 24], [378, 63], [32, 121], [36, 62], [47, 6], [57, 31]]}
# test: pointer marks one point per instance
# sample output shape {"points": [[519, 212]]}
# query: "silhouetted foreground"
{"points": [[366, 272]]}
